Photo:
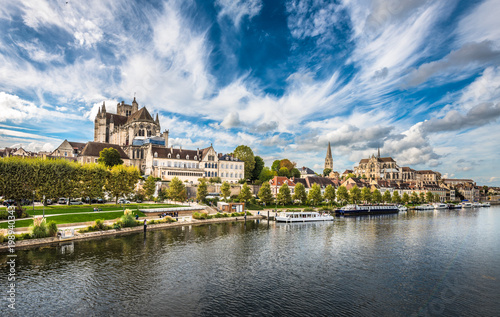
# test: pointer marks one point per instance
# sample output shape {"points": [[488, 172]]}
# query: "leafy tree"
{"points": [[265, 175], [162, 194], [422, 197], [276, 166], [406, 198], [259, 165], [287, 163], [177, 191], [284, 196], [245, 154], [283, 172], [300, 193], [342, 194], [396, 198], [225, 190], [330, 193], [295, 173], [437, 198], [327, 171], [366, 194], [265, 194], [355, 194], [314, 195], [429, 197], [245, 193], [387, 197], [414, 197], [149, 186], [202, 190], [92, 178], [350, 175], [376, 196], [121, 181], [109, 157], [215, 180]]}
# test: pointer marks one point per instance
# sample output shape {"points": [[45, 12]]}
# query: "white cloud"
{"points": [[481, 24], [237, 9], [232, 120]]}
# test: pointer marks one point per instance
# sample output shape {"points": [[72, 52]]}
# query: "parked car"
{"points": [[75, 202], [49, 201], [123, 201], [62, 201], [100, 201], [138, 201], [9, 202]]}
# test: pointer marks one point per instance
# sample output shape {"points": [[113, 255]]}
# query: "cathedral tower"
{"points": [[329, 158]]}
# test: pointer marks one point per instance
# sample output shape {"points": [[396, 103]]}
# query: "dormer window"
{"points": [[156, 154], [178, 156], [195, 157], [187, 157]]}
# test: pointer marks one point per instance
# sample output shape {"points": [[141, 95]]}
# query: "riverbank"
{"points": [[33, 243]]}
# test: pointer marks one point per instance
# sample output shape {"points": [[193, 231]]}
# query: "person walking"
{"points": [[145, 225]]}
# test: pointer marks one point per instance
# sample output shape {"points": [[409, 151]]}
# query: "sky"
{"points": [[418, 79]]}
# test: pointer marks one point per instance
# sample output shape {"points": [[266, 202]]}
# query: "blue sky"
{"points": [[419, 79]]}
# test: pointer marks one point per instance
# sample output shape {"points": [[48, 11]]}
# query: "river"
{"points": [[425, 263]]}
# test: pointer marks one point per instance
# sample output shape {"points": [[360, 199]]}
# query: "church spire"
{"points": [[378, 154], [157, 120], [103, 107], [329, 158]]}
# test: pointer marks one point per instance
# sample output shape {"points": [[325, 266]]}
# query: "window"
{"points": [[178, 156], [169, 155], [156, 154], [221, 165], [231, 175], [65, 153], [215, 165], [187, 157], [195, 157], [231, 166], [215, 174], [95, 160]]}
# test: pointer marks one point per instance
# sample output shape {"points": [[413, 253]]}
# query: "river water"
{"points": [[426, 263]]}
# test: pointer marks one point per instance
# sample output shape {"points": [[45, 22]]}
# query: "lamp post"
{"points": [[33, 204], [43, 206]]}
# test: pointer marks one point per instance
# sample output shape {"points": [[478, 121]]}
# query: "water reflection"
{"points": [[418, 262]]}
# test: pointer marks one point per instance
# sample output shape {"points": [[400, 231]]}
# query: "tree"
{"points": [[414, 198], [314, 195], [92, 178], [276, 166], [225, 190], [284, 197], [177, 191], [437, 198], [215, 180], [295, 173], [386, 198], [300, 193], [355, 194], [121, 181], [265, 175], [406, 198], [376, 196], [429, 197], [422, 197], [342, 194], [396, 198], [327, 171], [330, 193], [366, 194], [245, 193], [259, 165], [245, 154], [287, 163], [283, 172], [109, 157], [201, 191], [265, 194], [149, 187]]}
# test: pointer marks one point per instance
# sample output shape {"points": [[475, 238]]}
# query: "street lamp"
{"points": [[33, 203], [43, 206]]}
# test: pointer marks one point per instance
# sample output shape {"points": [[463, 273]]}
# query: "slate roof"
{"points": [[77, 145], [163, 152], [140, 115], [227, 157], [321, 181], [306, 170], [94, 148]]}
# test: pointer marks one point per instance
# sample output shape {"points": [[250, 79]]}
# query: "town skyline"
{"points": [[418, 80]]}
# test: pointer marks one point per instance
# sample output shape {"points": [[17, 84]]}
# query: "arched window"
{"points": [[156, 154], [215, 165], [215, 174], [187, 157], [205, 165], [169, 155]]}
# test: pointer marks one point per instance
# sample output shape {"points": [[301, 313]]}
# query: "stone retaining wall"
{"points": [[32, 243]]}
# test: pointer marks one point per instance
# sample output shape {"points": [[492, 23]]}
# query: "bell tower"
{"points": [[329, 158]]}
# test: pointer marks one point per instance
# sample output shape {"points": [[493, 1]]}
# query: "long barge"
{"points": [[362, 210]]}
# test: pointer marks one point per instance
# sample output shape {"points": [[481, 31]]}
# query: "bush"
{"points": [[52, 228], [2, 238], [201, 216], [308, 209], [166, 219], [38, 230], [4, 214], [99, 224], [24, 236], [127, 220], [116, 226]]}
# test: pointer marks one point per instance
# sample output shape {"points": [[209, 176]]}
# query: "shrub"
{"points": [[99, 224], [218, 215], [127, 220], [2, 238], [201, 216], [39, 228], [308, 209], [4, 214], [24, 236], [52, 228], [116, 225]]}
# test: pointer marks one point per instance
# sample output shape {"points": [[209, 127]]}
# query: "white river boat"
{"points": [[302, 216]]}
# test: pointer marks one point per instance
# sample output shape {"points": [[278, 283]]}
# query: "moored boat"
{"points": [[440, 206], [361, 210], [424, 207], [302, 216], [402, 208], [476, 205], [466, 204], [486, 204]]}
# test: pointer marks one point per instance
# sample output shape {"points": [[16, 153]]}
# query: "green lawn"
{"points": [[72, 218], [63, 209]]}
